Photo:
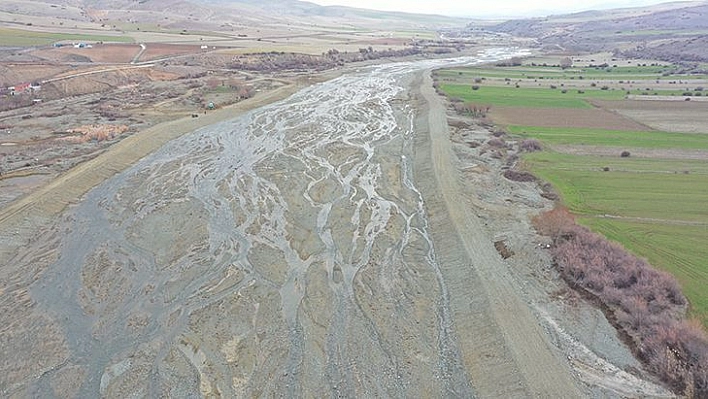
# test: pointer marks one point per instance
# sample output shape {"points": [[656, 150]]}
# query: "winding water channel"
{"points": [[283, 253]]}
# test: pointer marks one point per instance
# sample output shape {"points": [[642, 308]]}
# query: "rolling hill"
{"points": [[671, 31]]}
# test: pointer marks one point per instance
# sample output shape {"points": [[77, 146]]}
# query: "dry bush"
{"points": [[503, 249], [645, 304], [496, 143], [554, 223], [473, 110], [83, 134], [519, 175], [530, 145]]}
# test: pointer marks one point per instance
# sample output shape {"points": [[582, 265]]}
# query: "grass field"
{"points": [[679, 249], [578, 74], [527, 97], [657, 208], [18, 37], [544, 96], [612, 138], [675, 190]]}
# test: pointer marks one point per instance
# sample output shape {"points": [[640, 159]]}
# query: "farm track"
{"points": [[530, 363]]}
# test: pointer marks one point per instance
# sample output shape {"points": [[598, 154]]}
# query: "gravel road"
{"points": [[315, 247]]}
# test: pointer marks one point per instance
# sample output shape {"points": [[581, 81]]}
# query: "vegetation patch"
{"points": [[632, 187], [677, 248], [526, 97], [637, 207], [647, 305], [613, 138]]}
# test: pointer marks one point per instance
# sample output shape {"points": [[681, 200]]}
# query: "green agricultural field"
{"points": [[529, 97], [612, 138], [644, 188], [678, 249], [656, 208], [548, 72], [17, 37]]}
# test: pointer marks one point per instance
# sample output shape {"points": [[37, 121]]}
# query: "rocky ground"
{"points": [[340, 242]]}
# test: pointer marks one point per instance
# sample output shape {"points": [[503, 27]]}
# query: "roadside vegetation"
{"points": [[621, 212]]}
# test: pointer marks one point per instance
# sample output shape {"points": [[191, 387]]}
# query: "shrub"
{"points": [[503, 250], [474, 110], [497, 143], [530, 145], [645, 304], [554, 223], [517, 175]]}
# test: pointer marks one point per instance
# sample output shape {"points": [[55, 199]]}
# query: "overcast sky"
{"points": [[466, 8]]}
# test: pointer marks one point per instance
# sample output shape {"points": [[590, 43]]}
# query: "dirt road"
{"points": [[503, 341], [318, 246]]}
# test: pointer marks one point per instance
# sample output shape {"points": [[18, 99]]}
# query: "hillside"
{"points": [[671, 31], [170, 16]]}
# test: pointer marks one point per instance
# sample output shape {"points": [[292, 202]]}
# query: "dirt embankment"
{"points": [[511, 355], [523, 333]]}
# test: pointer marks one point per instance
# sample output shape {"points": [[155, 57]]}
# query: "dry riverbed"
{"points": [[339, 242]]}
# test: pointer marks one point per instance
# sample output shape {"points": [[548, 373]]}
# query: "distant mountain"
{"points": [[672, 30], [213, 14]]}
